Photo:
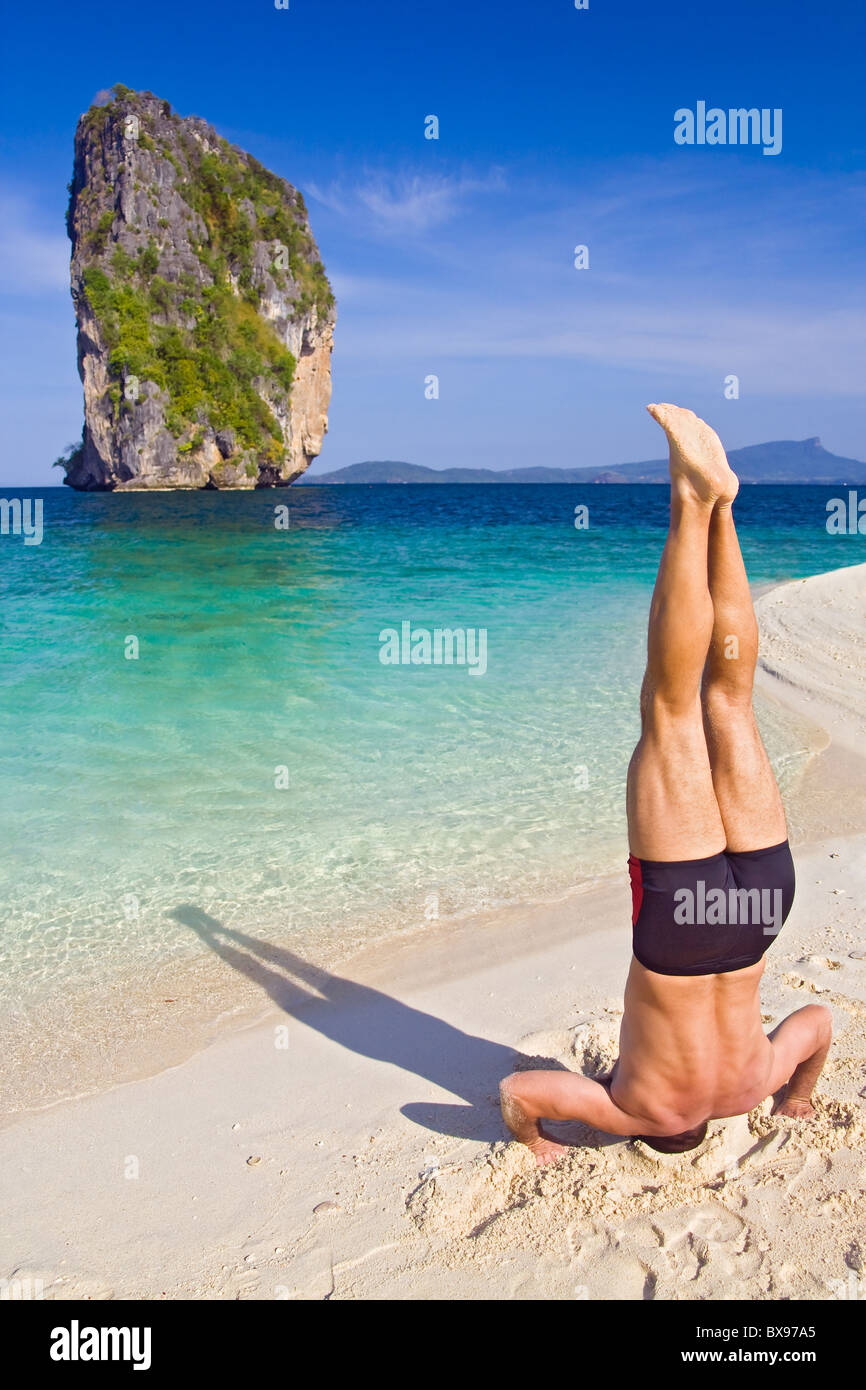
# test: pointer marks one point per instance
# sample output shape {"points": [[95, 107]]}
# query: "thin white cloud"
{"points": [[408, 202], [792, 349], [34, 259]]}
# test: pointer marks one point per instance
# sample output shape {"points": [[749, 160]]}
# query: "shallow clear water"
{"points": [[130, 787]]}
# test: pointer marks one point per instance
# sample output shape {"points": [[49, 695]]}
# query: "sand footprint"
{"points": [[645, 1257], [709, 1245], [822, 962]]}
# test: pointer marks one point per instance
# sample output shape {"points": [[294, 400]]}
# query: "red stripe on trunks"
{"points": [[634, 873]]}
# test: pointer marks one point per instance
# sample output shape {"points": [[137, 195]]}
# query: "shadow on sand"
{"points": [[374, 1025]]}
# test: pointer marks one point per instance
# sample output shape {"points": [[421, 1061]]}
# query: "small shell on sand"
{"points": [[253, 1160], [327, 1209]]}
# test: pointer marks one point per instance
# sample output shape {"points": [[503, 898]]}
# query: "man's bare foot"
{"points": [[697, 458], [796, 1108], [546, 1150]]}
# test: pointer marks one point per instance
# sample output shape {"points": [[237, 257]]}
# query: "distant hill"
{"points": [[781, 461]]}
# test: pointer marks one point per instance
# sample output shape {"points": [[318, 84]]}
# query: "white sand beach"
{"points": [[350, 1146]]}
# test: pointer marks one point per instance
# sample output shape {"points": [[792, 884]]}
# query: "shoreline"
{"points": [[374, 1090]]}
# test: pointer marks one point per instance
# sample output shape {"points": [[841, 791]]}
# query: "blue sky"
{"points": [[455, 257]]}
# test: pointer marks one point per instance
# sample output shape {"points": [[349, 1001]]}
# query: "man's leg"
{"points": [[745, 788], [672, 808]]}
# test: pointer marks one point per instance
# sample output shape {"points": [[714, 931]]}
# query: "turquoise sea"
{"points": [[257, 760]]}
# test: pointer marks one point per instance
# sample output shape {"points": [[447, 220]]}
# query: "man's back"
{"points": [[691, 1047]]}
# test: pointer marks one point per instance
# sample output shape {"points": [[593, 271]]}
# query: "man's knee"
{"points": [[666, 712], [726, 700]]}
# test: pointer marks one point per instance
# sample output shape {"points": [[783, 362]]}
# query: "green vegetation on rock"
{"points": [[209, 371], [221, 183]]}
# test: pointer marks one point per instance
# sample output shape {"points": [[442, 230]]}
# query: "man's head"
{"points": [[675, 1143]]}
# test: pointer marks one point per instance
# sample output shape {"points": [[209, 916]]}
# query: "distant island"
{"points": [[780, 461], [205, 318]]}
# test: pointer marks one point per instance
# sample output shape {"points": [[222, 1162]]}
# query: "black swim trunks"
{"points": [[709, 916]]}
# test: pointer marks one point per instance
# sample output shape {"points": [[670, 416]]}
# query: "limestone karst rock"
{"points": [[205, 318]]}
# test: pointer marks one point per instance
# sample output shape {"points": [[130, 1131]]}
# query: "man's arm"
{"points": [[800, 1046]]}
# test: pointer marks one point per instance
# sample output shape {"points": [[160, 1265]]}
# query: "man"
{"points": [[712, 876]]}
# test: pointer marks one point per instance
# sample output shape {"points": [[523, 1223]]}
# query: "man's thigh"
{"points": [[672, 808], [745, 787]]}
